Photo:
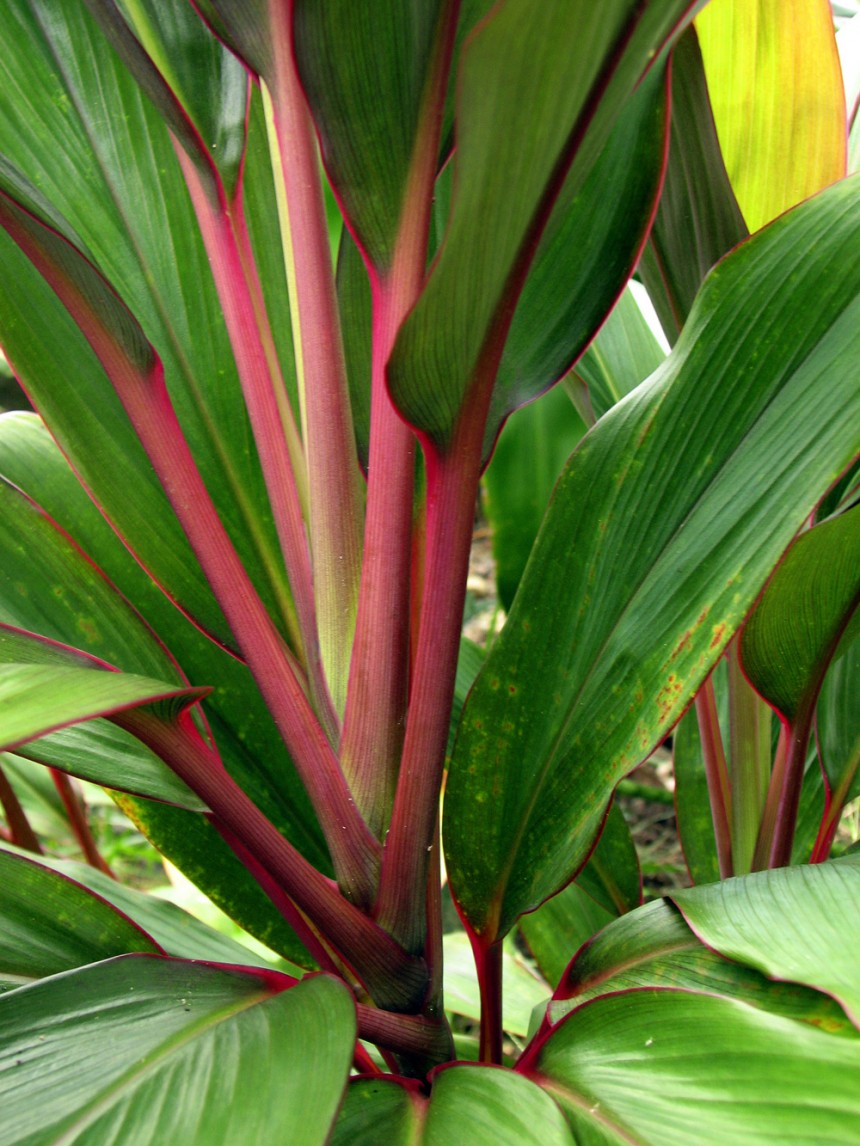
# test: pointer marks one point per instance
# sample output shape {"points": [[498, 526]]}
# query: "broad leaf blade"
{"points": [[654, 948], [170, 928], [35, 699], [129, 206], [364, 72], [698, 219], [96, 618], [797, 923], [50, 923], [493, 1103], [198, 1054], [790, 638], [648, 561], [521, 65], [776, 88], [644, 1067]]}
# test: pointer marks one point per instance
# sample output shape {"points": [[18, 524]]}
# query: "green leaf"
{"points": [[698, 219], [532, 448], [645, 1067], [364, 72], [792, 923], [199, 87], [37, 698], [522, 990], [493, 1103], [559, 927], [172, 929], [650, 557], [190, 841], [791, 636], [519, 66], [95, 618], [692, 803], [622, 355], [50, 923], [72, 120], [148, 1049], [776, 89], [838, 723], [653, 947]]}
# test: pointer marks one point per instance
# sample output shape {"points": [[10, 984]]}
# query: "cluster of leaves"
{"points": [[234, 571]]}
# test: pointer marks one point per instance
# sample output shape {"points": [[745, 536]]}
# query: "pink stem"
{"points": [[392, 978], [488, 962], [717, 774], [333, 472], [78, 821], [452, 484], [224, 233], [20, 832], [379, 670]]}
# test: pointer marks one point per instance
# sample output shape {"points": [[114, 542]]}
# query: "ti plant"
{"points": [[280, 276]]}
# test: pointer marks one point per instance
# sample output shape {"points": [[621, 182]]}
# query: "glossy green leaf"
{"points": [[95, 618], [491, 1102], [529, 455], [776, 89], [364, 72], [789, 639], [522, 990], [622, 355], [792, 923], [71, 120], [556, 931], [520, 66], [644, 1067], [199, 87], [189, 840], [37, 698], [197, 1054], [654, 948], [838, 724], [698, 219], [50, 923], [612, 877], [99, 751], [170, 928], [588, 249], [648, 560]]}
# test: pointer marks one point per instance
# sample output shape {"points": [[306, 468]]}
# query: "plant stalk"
{"points": [[452, 485], [394, 980], [717, 774], [20, 832], [222, 226], [749, 762], [334, 477], [377, 697]]}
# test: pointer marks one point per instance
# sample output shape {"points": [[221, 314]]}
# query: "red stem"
{"points": [[222, 226], [138, 378], [78, 821], [20, 832], [452, 484], [333, 471], [488, 962], [789, 789], [379, 670], [717, 774], [375, 716], [393, 978]]}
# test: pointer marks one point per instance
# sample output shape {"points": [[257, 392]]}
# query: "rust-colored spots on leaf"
{"points": [[668, 696], [512, 689], [719, 633], [682, 644]]}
